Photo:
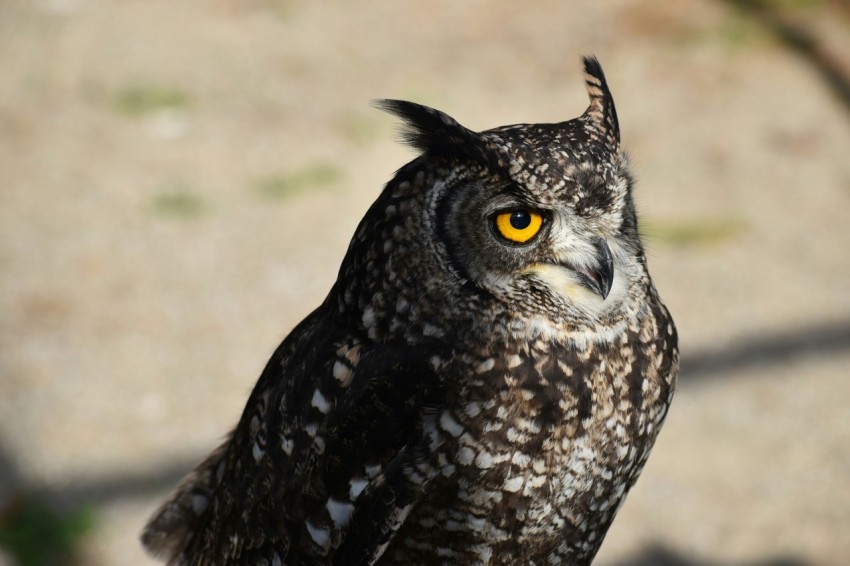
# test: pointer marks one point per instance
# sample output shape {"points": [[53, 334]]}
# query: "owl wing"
{"points": [[329, 456]]}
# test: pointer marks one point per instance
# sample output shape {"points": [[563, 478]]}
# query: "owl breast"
{"points": [[539, 445]]}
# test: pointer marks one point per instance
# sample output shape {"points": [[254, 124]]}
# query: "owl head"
{"points": [[537, 216]]}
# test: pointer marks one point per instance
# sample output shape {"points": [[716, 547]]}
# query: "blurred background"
{"points": [[179, 181]]}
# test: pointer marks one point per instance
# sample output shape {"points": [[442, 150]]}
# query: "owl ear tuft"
{"points": [[429, 130], [601, 111]]}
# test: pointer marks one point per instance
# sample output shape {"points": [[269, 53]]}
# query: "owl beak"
{"points": [[600, 278]]}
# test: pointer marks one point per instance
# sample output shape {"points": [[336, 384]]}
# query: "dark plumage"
{"points": [[483, 383]]}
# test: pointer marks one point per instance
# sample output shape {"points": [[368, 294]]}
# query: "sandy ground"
{"points": [[179, 181]]}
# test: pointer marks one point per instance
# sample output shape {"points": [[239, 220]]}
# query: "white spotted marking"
{"points": [[484, 460], [257, 452], [401, 305], [356, 487], [465, 456], [286, 444], [320, 402], [531, 426], [372, 471], [199, 503], [521, 459], [353, 354], [368, 317], [484, 553], [485, 366], [514, 435], [431, 330], [477, 523], [539, 466], [342, 373], [453, 526], [320, 536], [472, 409], [513, 484], [450, 425], [340, 512]]}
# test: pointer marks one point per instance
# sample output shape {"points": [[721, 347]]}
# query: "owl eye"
{"points": [[518, 226]]}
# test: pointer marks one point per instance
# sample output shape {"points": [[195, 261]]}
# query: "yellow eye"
{"points": [[518, 226]]}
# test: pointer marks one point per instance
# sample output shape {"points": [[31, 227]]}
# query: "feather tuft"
{"points": [[601, 110], [431, 131]]}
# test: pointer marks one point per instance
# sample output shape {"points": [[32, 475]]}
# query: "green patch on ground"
{"points": [[796, 4], [32, 533], [690, 233], [178, 201], [282, 186], [146, 99], [739, 30], [751, 22]]}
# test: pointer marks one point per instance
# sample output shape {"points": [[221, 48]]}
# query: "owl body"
{"points": [[483, 383]]}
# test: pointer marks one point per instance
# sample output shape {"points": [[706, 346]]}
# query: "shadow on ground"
{"points": [[661, 556], [779, 348]]}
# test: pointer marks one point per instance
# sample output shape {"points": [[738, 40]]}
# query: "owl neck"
{"points": [[414, 313]]}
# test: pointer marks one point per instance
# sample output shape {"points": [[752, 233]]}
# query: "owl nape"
{"points": [[483, 383]]}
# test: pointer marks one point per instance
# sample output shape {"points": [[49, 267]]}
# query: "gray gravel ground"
{"points": [[180, 181]]}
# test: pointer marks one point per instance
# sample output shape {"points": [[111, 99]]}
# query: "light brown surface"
{"points": [[131, 331]]}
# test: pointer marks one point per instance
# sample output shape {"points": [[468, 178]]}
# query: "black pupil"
{"points": [[520, 219]]}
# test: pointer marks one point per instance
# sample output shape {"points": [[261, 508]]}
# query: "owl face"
{"points": [[538, 216], [549, 236]]}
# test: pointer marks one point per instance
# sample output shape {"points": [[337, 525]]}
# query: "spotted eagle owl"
{"points": [[482, 384]]}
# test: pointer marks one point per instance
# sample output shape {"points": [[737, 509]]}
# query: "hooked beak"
{"points": [[599, 278]]}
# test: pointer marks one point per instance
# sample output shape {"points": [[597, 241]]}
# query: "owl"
{"points": [[483, 382]]}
